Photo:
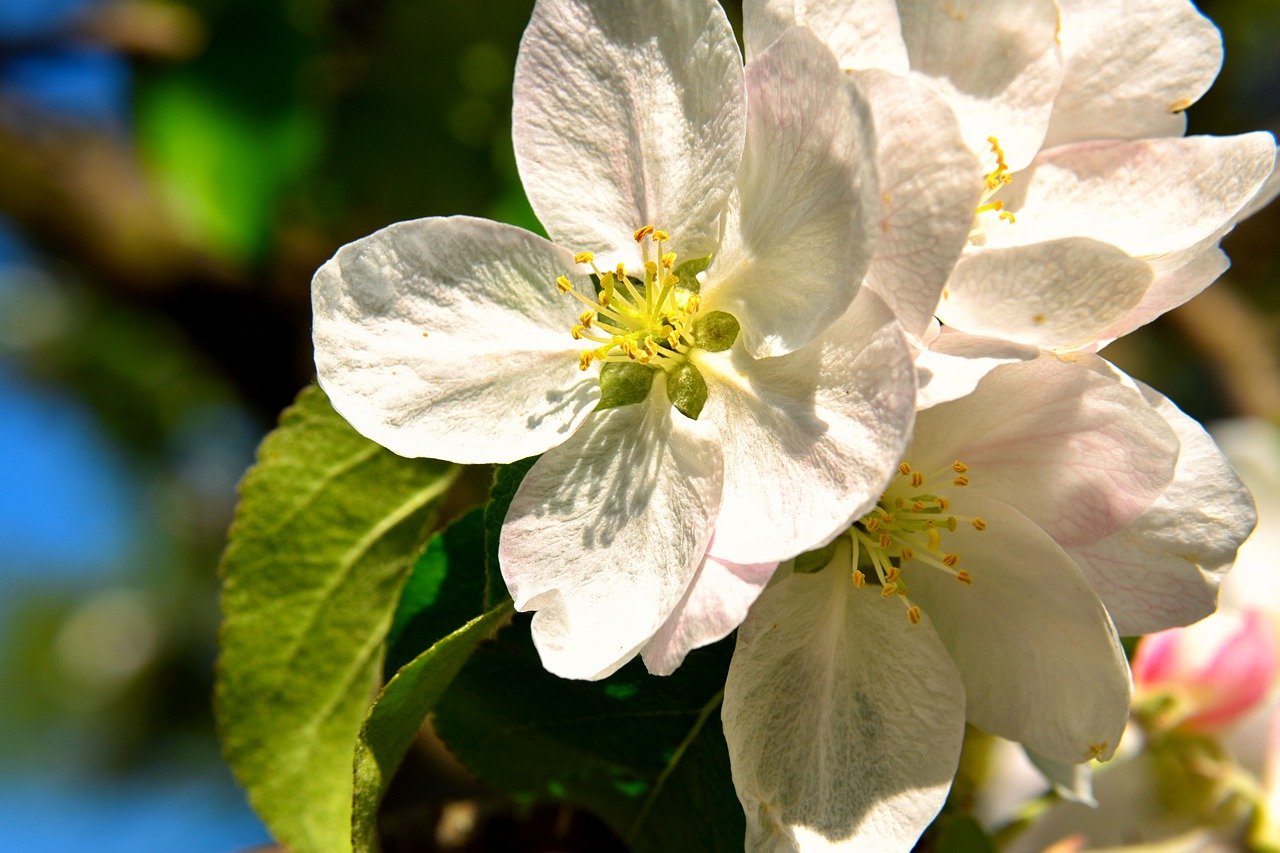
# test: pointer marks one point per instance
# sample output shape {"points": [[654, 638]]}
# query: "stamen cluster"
{"points": [[907, 525], [993, 182], [647, 321]]}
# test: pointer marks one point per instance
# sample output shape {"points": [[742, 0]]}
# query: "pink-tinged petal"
{"points": [[714, 605], [447, 338], [1080, 453], [951, 364], [628, 113], [1218, 670], [861, 33], [997, 63], [607, 531], [1169, 289], [929, 187], [809, 439], [1060, 294], [1133, 67], [1163, 569], [843, 720], [1148, 197], [802, 219], [1040, 659]]}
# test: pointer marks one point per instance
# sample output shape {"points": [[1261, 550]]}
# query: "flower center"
{"points": [[907, 526], [645, 321]]}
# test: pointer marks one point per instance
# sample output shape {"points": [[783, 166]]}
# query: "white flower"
{"points": [[1096, 215], [638, 136], [955, 598]]}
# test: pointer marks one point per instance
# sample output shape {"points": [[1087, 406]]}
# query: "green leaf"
{"points": [[445, 589], [397, 715], [687, 390], [505, 482], [327, 525], [645, 753], [623, 383]]}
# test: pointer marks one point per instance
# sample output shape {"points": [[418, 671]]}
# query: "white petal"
{"points": [[606, 532], [843, 720], [799, 235], [628, 113], [809, 439], [1148, 197], [1163, 570], [1133, 67], [1170, 289], [861, 33], [447, 338], [1040, 660], [1081, 454], [952, 364], [1072, 782], [996, 62], [929, 188], [1060, 294], [714, 605]]}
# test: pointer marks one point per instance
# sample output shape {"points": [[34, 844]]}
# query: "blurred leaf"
{"points": [[223, 170], [506, 480], [398, 712], [645, 753], [320, 546], [961, 833]]}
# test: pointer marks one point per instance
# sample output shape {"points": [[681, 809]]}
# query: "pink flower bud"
{"points": [[1211, 673]]}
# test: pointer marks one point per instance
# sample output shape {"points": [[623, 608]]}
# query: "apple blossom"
{"points": [[1096, 215], [763, 400], [954, 598]]}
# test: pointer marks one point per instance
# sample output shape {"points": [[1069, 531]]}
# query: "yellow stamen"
{"points": [[979, 523], [913, 614], [859, 579], [584, 257], [563, 284], [641, 233]]}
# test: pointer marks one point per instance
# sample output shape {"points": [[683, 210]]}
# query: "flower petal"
{"points": [[1079, 453], [446, 338], [1163, 570], [607, 531], [1059, 294], [809, 439], [929, 188], [1133, 67], [714, 605], [1040, 659], [1168, 290], [861, 33], [952, 364], [997, 64], [843, 720], [628, 113], [1148, 197], [799, 235]]}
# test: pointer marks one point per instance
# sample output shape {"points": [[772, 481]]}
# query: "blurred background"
{"points": [[170, 176]]}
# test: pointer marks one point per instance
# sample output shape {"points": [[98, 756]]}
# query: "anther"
{"points": [[859, 579], [586, 318], [893, 574], [951, 523], [885, 540], [584, 360], [935, 540], [669, 260], [964, 578], [888, 590], [563, 284], [906, 554], [959, 467], [950, 560], [913, 614], [641, 233], [917, 479], [577, 331], [944, 504], [584, 258], [961, 481], [660, 235], [979, 523], [904, 469]]}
